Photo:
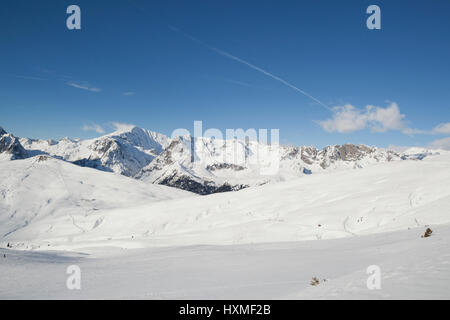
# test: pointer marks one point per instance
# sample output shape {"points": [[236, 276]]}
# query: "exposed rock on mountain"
{"points": [[10, 147], [125, 152], [335, 156], [206, 166], [186, 182], [201, 165]]}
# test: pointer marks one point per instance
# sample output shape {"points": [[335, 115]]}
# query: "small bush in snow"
{"points": [[315, 281], [427, 233], [43, 158]]}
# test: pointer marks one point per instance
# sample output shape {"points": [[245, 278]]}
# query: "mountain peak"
{"points": [[11, 146], [199, 164]]}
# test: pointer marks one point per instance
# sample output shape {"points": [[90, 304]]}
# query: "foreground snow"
{"points": [[411, 267]]}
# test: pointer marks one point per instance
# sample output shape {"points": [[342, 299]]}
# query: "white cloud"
{"points": [[441, 144], [118, 126], [348, 119], [93, 127], [129, 93], [411, 131], [384, 119], [443, 128], [345, 119], [83, 86]]}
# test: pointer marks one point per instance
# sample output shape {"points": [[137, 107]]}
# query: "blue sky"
{"points": [[136, 62]]}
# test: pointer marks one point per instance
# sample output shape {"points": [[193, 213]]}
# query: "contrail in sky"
{"points": [[248, 64]]}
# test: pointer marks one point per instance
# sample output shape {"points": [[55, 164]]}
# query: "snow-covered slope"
{"points": [[207, 166], [387, 196], [125, 152], [60, 197]]}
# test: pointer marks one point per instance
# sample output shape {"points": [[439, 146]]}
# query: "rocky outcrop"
{"points": [[204, 165], [125, 152], [200, 165], [10, 146], [202, 188], [221, 166]]}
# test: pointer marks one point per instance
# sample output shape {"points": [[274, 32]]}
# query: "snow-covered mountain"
{"points": [[200, 165], [10, 147], [208, 166], [125, 152]]}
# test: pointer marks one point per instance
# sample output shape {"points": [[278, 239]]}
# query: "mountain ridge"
{"points": [[124, 152], [214, 170], [10, 147], [200, 165]]}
